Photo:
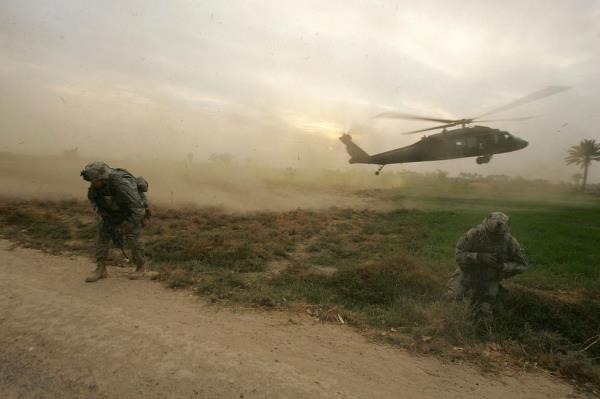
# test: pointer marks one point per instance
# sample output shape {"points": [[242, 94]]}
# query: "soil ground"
{"points": [[63, 338]]}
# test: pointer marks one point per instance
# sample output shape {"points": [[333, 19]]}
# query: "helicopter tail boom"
{"points": [[357, 154]]}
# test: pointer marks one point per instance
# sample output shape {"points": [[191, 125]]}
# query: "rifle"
{"points": [[115, 236]]}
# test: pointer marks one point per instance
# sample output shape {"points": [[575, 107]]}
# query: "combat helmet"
{"points": [[497, 223], [95, 171]]}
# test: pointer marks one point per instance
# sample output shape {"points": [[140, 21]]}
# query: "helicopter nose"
{"points": [[522, 144]]}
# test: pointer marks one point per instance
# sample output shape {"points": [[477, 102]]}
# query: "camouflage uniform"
{"points": [[486, 255], [122, 207]]}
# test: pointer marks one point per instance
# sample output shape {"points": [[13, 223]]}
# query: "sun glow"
{"points": [[326, 129]]}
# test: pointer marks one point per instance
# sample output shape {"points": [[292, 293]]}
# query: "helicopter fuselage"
{"points": [[476, 141]]}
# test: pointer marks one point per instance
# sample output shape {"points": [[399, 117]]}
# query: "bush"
{"points": [[386, 281]]}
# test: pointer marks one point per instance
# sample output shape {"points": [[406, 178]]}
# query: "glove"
{"points": [[487, 259]]}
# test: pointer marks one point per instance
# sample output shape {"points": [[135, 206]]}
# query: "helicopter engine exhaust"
{"points": [[483, 159]]}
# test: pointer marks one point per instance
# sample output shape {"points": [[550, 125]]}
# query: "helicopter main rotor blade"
{"points": [[400, 115], [523, 118], [545, 92], [432, 128]]}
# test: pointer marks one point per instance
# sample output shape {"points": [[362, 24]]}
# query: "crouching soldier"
{"points": [[486, 255], [118, 198]]}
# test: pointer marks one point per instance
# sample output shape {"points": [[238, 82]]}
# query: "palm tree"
{"points": [[583, 155]]}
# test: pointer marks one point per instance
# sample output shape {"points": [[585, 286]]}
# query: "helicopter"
{"points": [[482, 142]]}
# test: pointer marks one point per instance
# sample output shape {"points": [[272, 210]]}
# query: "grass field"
{"points": [[383, 271]]}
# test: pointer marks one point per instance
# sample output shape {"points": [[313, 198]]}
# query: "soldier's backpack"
{"points": [[142, 184]]}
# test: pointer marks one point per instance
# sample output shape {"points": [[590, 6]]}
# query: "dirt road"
{"points": [[62, 338]]}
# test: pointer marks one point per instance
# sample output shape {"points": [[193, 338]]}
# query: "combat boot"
{"points": [[98, 274]]}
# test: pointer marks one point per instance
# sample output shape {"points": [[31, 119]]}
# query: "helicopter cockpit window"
{"points": [[506, 136]]}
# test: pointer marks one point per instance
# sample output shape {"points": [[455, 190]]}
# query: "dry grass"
{"points": [[381, 271]]}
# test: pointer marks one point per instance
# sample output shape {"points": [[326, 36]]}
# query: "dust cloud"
{"points": [[238, 187], [231, 187], [278, 82]]}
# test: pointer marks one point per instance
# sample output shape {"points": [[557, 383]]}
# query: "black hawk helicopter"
{"points": [[466, 141]]}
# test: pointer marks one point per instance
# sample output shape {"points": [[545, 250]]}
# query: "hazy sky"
{"points": [[280, 80]]}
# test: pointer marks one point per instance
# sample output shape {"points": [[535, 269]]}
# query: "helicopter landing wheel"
{"points": [[379, 170]]}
